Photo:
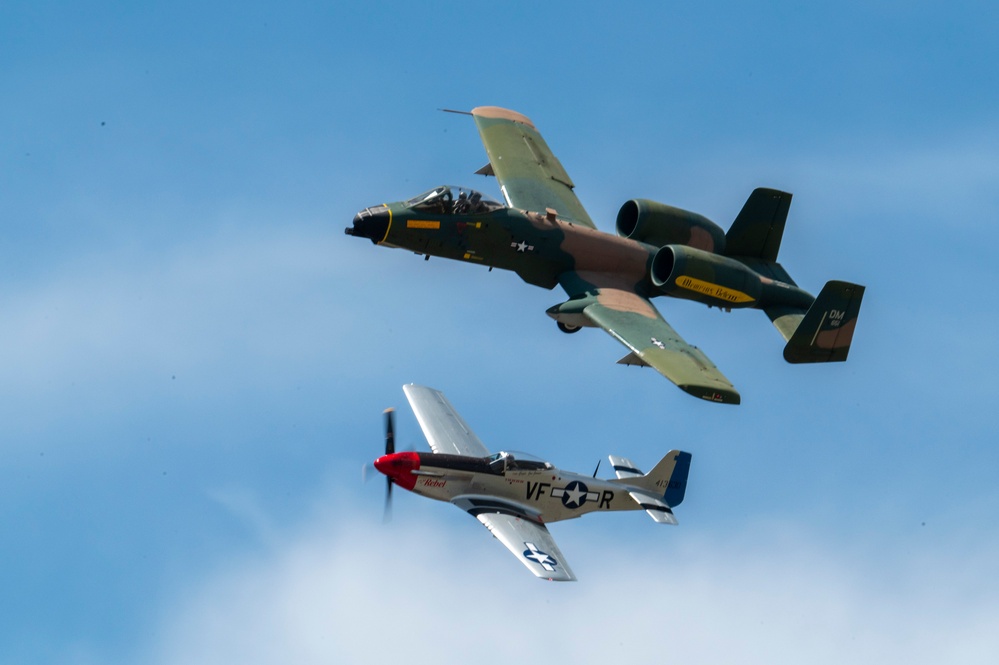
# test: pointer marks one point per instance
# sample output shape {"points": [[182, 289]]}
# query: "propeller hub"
{"points": [[399, 468]]}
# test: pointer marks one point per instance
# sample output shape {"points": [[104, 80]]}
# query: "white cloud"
{"points": [[356, 593]]}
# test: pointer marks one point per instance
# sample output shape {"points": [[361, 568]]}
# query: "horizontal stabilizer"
{"points": [[624, 467], [826, 330], [657, 509], [785, 319]]}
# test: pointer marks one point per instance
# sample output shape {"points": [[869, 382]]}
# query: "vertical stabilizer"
{"points": [[826, 330], [758, 229]]}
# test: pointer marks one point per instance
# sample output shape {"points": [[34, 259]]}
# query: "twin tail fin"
{"points": [[819, 333]]}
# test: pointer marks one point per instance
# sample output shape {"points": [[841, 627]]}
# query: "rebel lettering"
{"points": [[605, 499]]}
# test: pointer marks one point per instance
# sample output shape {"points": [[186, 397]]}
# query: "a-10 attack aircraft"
{"points": [[546, 237], [514, 496]]}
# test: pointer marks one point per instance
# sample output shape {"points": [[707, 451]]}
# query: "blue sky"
{"points": [[195, 358]]}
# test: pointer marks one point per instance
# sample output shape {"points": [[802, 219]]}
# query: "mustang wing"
{"points": [[635, 322], [517, 527], [530, 176], [445, 429]]}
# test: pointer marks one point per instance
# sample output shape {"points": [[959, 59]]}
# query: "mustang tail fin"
{"points": [[659, 490], [826, 329], [667, 479]]}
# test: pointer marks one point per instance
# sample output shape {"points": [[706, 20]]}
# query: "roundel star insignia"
{"points": [[574, 495], [544, 559]]}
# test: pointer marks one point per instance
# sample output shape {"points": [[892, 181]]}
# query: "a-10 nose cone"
{"points": [[371, 223]]}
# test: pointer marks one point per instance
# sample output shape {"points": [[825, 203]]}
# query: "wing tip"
{"points": [[499, 113], [713, 394]]}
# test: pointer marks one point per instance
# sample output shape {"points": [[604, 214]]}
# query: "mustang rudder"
{"points": [[676, 488]]}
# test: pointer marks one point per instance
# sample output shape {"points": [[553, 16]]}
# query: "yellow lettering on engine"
{"points": [[712, 290]]}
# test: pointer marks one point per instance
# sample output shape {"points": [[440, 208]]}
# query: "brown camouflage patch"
{"points": [[620, 300], [701, 239], [594, 251], [836, 338]]}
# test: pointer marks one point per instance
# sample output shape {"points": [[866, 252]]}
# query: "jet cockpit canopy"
{"points": [[450, 200]]}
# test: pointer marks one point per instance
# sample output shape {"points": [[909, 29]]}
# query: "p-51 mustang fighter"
{"points": [[515, 496], [545, 236]]}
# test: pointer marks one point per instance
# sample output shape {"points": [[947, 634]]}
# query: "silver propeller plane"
{"points": [[514, 495]]}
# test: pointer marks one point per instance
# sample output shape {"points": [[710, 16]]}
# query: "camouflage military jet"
{"points": [[514, 496], [544, 235]]}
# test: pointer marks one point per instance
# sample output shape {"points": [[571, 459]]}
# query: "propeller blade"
{"points": [[388, 500], [389, 431], [389, 449]]}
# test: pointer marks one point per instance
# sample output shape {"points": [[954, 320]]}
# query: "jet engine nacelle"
{"points": [[717, 281], [659, 224]]}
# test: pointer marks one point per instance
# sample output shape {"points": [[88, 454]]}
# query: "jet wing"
{"points": [[516, 527], [635, 322], [445, 429], [530, 176]]}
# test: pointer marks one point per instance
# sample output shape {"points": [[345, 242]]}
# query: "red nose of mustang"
{"points": [[399, 467]]}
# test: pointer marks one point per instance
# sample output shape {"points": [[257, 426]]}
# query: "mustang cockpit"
{"points": [[503, 461], [448, 200]]}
